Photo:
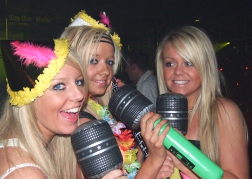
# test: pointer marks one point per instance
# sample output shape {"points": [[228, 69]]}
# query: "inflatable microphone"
{"points": [[173, 107], [129, 105], [96, 149]]}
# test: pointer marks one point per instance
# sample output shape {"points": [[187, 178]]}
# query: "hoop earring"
{"points": [[109, 87]]}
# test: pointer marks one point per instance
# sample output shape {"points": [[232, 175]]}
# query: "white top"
{"points": [[148, 86], [13, 143]]}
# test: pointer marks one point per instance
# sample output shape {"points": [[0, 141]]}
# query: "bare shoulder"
{"points": [[228, 110], [232, 133], [227, 104], [230, 118], [13, 156]]}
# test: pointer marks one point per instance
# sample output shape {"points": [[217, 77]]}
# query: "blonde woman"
{"points": [[99, 49], [45, 83], [186, 64]]}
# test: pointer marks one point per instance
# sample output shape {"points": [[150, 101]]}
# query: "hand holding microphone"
{"points": [[130, 106]]}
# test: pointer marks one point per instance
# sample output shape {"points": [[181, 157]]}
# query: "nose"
{"points": [[179, 70], [104, 69], [77, 93]]}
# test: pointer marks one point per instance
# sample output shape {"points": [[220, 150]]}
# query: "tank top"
{"points": [[14, 143]]}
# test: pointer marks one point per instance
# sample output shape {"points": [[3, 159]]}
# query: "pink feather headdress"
{"points": [[105, 19], [36, 55]]}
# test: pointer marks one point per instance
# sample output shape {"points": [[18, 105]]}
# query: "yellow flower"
{"points": [[130, 156]]}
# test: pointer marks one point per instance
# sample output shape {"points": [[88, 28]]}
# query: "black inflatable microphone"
{"points": [[125, 104], [129, 105], [174, 108], [96, 149]]}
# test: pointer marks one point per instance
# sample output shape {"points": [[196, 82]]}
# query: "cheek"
{"points": [[166, 73], [47, 104], [195, 75], [90, 73], [111, 76]]}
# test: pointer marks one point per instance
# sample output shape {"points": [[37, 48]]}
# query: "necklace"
{"points": [[124, 138], [190, 111]]}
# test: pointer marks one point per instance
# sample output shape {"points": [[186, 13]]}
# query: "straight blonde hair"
{"points": [[193, 45]]}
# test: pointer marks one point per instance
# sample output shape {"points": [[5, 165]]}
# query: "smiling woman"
{"points": [[187, 64], [99, 49], [46, 92]]}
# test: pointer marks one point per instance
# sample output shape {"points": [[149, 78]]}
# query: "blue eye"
{"points": [[189, 64], [169, 64], [93, 61], [59, 86], [110, 62], [80, 82]]}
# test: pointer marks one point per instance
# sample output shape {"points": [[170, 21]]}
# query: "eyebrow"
{"points": [[168, 58]]}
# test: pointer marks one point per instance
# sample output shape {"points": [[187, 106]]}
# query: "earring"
{"points": [[111, 84]]}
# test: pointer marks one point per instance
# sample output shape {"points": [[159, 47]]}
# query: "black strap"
{"points": [[84, 114]]}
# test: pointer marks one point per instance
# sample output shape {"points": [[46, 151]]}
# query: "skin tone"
{"points": [[61, 102], [100, 69], [182, 77], [100, 74], [56, 113], [156, 151]]}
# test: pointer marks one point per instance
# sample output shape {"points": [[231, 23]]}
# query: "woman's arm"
{"points": [[233, 146], [156, 150]]}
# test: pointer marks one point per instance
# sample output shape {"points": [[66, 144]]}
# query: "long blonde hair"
{"points": [[57, 160], [193, 45], [85, 40]]}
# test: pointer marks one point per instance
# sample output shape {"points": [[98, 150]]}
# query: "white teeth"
{"points": [[181, 82], [100, 81], [74, 110]]}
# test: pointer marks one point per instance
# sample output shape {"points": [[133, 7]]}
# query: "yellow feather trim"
{"points": [[85, 17], [27, 95]]}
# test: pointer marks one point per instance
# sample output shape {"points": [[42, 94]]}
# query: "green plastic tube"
{"points": [[190, 155]]}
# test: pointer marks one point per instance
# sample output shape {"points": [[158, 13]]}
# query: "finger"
{"points": [[165, 171], [168, 162], [151, 121], [113, 174], [160, 137], [144, 123]]}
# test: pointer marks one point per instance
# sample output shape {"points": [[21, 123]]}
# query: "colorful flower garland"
{"points": [[124, 138]]}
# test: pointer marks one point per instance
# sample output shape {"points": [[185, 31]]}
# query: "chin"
{"points": [[99, 93], [69, 130]]}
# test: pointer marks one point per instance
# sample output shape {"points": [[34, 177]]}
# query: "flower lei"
{"points": [[124, 139]]}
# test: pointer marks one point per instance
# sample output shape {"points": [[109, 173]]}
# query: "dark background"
{"points": [[142, 24]]}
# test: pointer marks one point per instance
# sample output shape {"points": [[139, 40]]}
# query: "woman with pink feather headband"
{"points": [[100, 51], [46, 87]]}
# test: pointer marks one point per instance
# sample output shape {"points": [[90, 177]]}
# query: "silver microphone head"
{"points": [[174, 108], [129, 105]]}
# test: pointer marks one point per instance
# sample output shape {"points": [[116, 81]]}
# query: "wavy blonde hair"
{"points": [[57, 160], [193, 45]]}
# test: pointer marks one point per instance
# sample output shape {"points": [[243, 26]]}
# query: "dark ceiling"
{"points": [[227, 19]]}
